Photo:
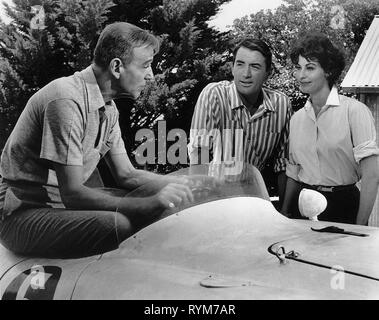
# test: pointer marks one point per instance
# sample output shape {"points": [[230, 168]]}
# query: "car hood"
{"points": [[228, 249]]}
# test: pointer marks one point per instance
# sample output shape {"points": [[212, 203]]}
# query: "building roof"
{"points": [[363, 75]]}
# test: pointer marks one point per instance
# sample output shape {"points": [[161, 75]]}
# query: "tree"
{"points": [[344, 21], [47, 39], [191, 55]]}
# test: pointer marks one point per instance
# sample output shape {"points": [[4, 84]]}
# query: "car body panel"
{"points": [[8, 260], [358, 255], [228, 244], [224, 241], [42, 279], [145, 280]]}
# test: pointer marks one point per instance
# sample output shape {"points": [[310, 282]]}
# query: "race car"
{"points": [[231, 243]]}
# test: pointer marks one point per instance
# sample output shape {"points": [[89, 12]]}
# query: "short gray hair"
{"points": [[118, 40]]}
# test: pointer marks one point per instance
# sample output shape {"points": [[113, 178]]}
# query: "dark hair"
{"points": [[118, 40], [317, 46], [255, 45]]}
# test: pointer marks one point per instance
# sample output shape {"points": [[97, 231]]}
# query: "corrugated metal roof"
{"points": [[363, 74]]}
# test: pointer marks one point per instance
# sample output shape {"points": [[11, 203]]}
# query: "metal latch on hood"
{"points": [[282, 255]]}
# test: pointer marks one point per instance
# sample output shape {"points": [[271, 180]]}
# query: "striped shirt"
{"points": [[223, 124]]}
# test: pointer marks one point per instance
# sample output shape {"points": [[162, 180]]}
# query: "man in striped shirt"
{"points": [[241, 121]]}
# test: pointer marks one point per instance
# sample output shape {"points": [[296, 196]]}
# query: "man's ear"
{"points": [[115, 67]]}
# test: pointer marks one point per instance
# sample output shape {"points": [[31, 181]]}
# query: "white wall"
{"points": [[372, 101]]}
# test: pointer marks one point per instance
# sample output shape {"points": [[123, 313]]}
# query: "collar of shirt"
{"points": [[236, 101], [95, 98], [332, 101], [234, 98]]}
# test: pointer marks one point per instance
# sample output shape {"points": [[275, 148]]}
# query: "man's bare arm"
{"points": [[77, 196], [129, 178]]}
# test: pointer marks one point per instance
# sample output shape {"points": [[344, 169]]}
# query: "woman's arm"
{"points": [[292, 189], [139, 210], [370, 180]]}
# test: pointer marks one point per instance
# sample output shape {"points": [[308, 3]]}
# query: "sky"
{"points": [[230, 11], [2, 13], [238, 9]]}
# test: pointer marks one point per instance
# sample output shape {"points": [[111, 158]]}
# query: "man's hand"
{"points": [[201, 185], [173, 195], [198, 181]]}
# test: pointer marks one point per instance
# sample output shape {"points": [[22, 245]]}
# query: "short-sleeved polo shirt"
{"points": [[65, 122]]}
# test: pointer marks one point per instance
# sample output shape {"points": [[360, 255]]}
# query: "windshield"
{"points": [[243, 180]]}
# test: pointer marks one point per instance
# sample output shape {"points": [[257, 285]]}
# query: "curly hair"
{"points": [[317, 46]]}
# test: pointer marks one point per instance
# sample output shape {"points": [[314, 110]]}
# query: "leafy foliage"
{"points": [[280, 28], [191, 55], [32, 57]]}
